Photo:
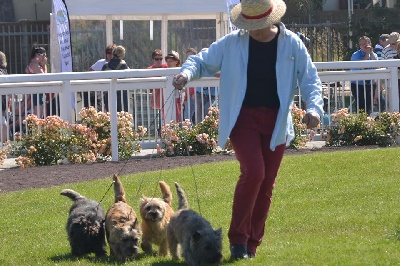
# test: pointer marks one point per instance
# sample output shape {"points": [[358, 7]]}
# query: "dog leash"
{"points": [[151, 157], [109, 187], [125, 163]]}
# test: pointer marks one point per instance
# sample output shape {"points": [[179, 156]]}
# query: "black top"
{"points": [[261, 88], [115, 64]]}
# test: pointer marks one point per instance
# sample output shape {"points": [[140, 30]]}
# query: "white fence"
{"points": [[73, 89]]}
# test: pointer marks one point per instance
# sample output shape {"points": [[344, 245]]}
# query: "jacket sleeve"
{"points": [[308, 81]]}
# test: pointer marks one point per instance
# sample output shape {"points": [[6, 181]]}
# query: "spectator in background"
{"points": [[379, 100], [37, 65], [117, 62], [190, 51], [305, 40], [172, 59], [362, 89], [205, 97], [189, 101], [398, 57], [390, 50], [157, 58], [100, 63], [4, 107], [90, 100], [155, 100], [383, 42]]}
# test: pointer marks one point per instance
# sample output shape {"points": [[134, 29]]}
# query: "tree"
{"points": [[307, 5]]}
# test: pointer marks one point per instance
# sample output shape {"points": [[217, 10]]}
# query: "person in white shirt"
{"points": [[90, 100], [383, 42], [390, 51]]}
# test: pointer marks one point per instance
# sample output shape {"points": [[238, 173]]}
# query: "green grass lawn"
{"points": [[337, 208]]}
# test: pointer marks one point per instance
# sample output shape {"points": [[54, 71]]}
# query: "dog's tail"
{"points": [[166, 192], [182, 200], [72, 194], [119, 191]]}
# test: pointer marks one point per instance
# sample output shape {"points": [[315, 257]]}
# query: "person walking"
{"points": [[261, 65]]}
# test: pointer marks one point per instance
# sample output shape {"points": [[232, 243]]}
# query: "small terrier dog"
{"points": [[85, 225], [201, 244], [155, 213], [122, 226]]}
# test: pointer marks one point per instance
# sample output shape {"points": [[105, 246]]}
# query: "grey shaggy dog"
{"points": [[201, 244], [85, 225]]}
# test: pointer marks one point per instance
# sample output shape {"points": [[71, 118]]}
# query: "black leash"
{"points": [[142, 179]]}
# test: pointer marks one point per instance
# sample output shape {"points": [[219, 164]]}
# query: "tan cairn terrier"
{"points": [[200, 243], [122, 226], [156, 213]]}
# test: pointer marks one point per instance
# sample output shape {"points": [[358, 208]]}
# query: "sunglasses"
{"points": [[157, 58], [42, 54]]}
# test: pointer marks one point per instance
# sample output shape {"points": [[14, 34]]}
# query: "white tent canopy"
{"points": [[99, 8], [163, 10]]}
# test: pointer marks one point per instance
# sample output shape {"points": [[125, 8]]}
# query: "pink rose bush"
{"points": [[51, 140]]}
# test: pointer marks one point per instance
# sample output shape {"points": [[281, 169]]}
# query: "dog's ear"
{"points": [[218, 232], [135, 224], [144, 198]]}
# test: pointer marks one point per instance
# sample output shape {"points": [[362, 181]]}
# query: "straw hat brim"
{"points": [[254, 24]]}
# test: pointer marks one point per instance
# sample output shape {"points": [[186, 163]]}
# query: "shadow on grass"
{"points": [[109, 260]]}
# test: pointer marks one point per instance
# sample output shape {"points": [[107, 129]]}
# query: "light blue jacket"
{"points": [[294, 68]]}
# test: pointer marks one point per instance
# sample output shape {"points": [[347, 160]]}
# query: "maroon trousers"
{"points": [[259, 166]]}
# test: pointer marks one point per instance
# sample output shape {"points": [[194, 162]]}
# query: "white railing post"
{"points": [[112, 103], [394, 90], [66, 101]]}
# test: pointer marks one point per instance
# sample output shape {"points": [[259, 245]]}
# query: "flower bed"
{"points": [[51, 140]]}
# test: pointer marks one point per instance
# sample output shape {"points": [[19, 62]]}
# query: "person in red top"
{"points": [[155, 98], [173, 60], [188, 102], [37, 65]]}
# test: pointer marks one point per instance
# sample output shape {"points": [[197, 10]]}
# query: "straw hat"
{"points": [[257, 14]]}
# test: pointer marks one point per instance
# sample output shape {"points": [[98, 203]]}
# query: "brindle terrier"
{"points": [[155, 213], [201, 244], [122, 226]]}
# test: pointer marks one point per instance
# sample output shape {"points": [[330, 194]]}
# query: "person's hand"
{"points": [[179, 81], [312, 120], [367, 48]]}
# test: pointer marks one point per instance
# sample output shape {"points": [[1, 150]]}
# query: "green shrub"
{"points": [[182, 139], [51, 140], [360, 129]]}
